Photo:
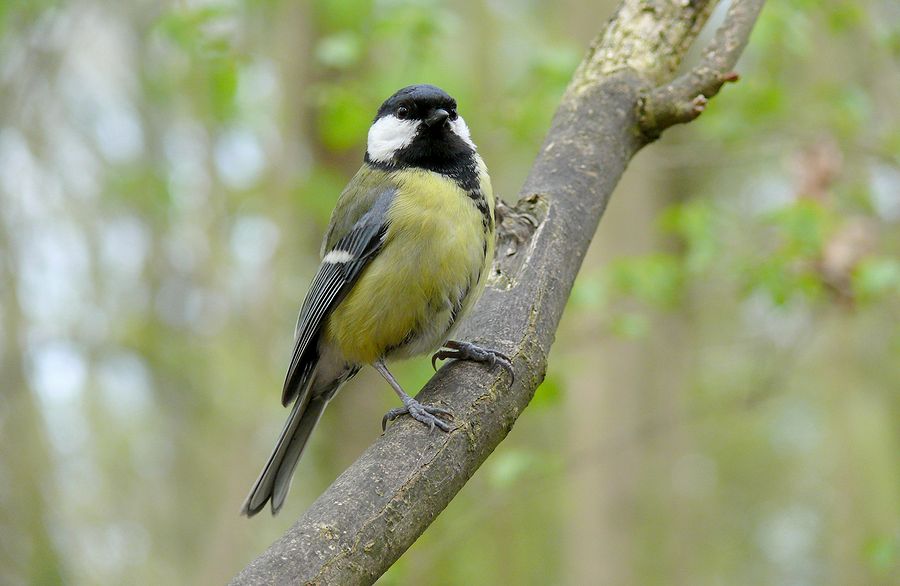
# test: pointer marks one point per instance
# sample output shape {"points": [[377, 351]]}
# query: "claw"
{"points": [[506, 364], [441, 355], [427, 414], [469, 351], [389, 416]]}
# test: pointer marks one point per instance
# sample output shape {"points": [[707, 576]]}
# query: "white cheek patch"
{"points": [[337, 257], [388, 135], [460, 129]]}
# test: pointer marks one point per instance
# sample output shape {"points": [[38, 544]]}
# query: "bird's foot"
{"points": [[469, 351], [427, 414]]}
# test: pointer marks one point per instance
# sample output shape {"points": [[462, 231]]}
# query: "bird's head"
{"points": [[419, 126]]}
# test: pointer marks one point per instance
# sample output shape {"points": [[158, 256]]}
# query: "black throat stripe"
{"points": [[487, 218], [463, 173]]}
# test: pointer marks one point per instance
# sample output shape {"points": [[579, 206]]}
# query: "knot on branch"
{"points": [[516, 226]]}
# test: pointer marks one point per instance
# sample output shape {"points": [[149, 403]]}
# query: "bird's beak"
{"points": [[437, 118]]}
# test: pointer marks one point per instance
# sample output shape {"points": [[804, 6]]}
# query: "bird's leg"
{"points": [[469, 351], [427, 414]]}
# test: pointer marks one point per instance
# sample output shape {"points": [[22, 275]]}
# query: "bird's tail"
{"points": [[275, 479]]}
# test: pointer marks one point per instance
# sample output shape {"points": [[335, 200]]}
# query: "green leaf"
{"points": [[344, 117], [782, 277], [655, 279], [508, 466], [631, 326], [340, 51], [693, 221], [876, 277], [803, 227], [589, 291], [319, 192], [224, 85], [193, 29], [845, 16], [549, 393], [883, 553], [343, 14]]}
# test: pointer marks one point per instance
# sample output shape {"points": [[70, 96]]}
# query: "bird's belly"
{"points": [[406, 300]]}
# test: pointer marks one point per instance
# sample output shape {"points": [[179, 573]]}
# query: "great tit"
{"points": [[405, 255]]}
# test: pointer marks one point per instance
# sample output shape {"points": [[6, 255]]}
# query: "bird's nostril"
{"points": [[437, 118]]}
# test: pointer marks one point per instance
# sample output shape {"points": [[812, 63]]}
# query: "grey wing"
{"points": [[340, 268]]}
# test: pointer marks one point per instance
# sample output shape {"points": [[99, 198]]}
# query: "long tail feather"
{"points": [[275, 479], [285, 473]]}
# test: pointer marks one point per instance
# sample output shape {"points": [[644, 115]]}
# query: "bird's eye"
{"points": [[453, 114], [402, 112]]}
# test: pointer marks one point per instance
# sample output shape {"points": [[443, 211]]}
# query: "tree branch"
{"points": [[686, 97], [379, 506]]}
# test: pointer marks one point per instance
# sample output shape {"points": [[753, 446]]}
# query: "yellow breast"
{"points": [[433, 259]]}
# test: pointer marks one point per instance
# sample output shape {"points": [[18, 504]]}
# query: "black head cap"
{"points": [[418, 101], [418, 126]]}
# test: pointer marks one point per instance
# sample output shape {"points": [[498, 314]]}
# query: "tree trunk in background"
{"points": [[663, 426], [289, 51], [604, 457], [611, 400], [851, 516], [27, 551]]}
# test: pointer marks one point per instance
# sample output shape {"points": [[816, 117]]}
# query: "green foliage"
{"points": [[790, 269], [509, 467], [549, 394], [341, 50], [801, 228], [202, 33], [319, 192], [630, 326], [694, 223], [782, 279], [20, 13], [883, 555], [877, 279], [344, 116], [338, 15], [590, 291], [655, 279]]}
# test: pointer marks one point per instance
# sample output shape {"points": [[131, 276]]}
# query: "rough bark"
{"points": [[620, 98]]}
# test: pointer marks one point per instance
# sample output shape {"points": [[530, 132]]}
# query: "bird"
{"points": [[406, 254]]}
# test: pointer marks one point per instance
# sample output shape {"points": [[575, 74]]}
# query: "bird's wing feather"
{"points": [[340, 268]]}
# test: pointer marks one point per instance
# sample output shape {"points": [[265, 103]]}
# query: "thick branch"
{"points": [[686, 97], [380, 505], [648, 37]]}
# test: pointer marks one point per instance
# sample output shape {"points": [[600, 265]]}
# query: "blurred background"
{"points": [[723, 400]]}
